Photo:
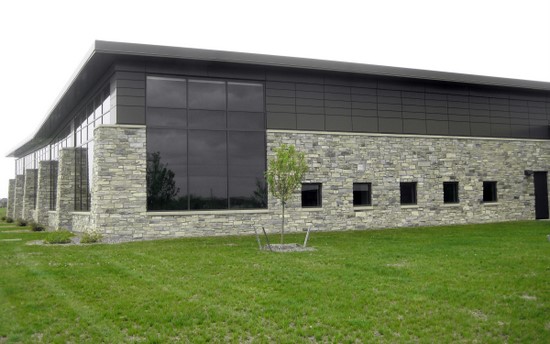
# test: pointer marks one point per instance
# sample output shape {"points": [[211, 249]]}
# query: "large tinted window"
{"points": [[210, 152], [408, 193]]}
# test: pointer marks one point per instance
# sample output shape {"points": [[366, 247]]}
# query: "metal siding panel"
{"points": [[310, 122], [338, 104], [310, 95], [338, 123], [390, 125], [414, 115], [133, 92], [280, 101], [364, 112], [130, 83], [337, 96], [130, 114], [414, 126], [309, 102], [364, 91], [390, 107], [437, 127], [310, 110], [279, 93], [280, 85], [519, 131], [281, 121], [389, 114], [281, 108], [437, 116], [338, 111], [365, 124], [480, 129], [365, 106], [539, 132], [130, 101], [310, 87], [459, 128], [501, 130]]}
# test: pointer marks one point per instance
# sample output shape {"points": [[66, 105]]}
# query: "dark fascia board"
{"points": [[109, 51], [133, 49]]}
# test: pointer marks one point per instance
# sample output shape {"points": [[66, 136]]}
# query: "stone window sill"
{"points": [[363, 208], [80, 213], [490, 204], [450, 205], [308, 209], [412, 206], [207, 212]]}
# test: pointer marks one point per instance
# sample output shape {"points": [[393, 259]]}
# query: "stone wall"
{"points": [[29, 194], [18, 203], [336, 160], [81, 222], [47, 170], [119, 195], [65, 189], [11, 198]]}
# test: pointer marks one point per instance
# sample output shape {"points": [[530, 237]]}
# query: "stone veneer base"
{"points": [[337, 161]]}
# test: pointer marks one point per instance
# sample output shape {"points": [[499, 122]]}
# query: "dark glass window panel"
{"points": [[98, 104], [207, 95], [246, 148], [207, 147], [166, 92], [207, 119], [166, 169], [163, 117], [362, 194], [490, 191], [450, 192], [245, 192], [408, 193], [106, 107], [207, 169], [246, 152], [311, 195], [245, 121], [245, 97], [207, 192]]}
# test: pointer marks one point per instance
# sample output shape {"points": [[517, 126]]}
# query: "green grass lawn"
{"points": [[482, 283]]}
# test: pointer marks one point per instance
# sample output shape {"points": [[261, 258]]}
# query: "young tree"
{"points": [[284, 174]]}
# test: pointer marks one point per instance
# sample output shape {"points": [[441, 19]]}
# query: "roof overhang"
{"points": [[103, 54]]}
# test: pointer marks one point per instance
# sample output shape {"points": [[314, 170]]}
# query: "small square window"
{"points": [[408, 193], [490, 192], [311, 195], [450, 192], [362, 194]]}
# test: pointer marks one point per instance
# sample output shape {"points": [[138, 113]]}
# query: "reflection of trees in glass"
{"points": [[161, 186]]}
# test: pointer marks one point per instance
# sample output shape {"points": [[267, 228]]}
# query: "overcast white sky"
{"points": [[43, 42]]}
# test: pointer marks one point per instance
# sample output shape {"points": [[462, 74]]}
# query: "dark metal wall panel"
{"points": [[130, 95], [319, 100]]}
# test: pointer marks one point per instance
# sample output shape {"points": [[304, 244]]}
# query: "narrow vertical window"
{"points": [[362, 194], [450, 192], [311, 195], [408, 193], [490, 192]]}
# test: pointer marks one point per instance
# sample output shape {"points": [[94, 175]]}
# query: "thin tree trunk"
{"points": [[283, 224]]}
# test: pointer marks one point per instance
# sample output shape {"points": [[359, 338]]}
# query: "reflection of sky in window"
{"points": [[166, 92], [208, 95], [245, 97]]}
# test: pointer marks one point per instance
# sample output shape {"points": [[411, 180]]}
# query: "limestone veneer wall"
{"points": [[18, 196], [11, 196], [46, 172], [65, 189], [29, 194], [336, 160]]}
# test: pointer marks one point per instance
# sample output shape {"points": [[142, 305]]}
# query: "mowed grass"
{"points": [[478, 283]]}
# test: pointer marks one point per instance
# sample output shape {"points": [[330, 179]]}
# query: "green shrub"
{"points": [[37, 227], [21, 222], [3, 218], [9, 219], [90, 237], [60, 236]]}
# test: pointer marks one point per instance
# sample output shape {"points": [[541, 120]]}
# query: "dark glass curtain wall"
{"points": [[205, 144]]}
